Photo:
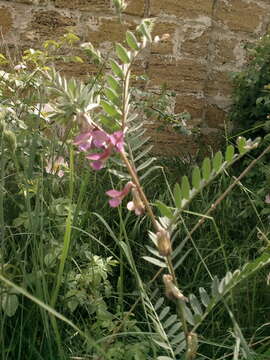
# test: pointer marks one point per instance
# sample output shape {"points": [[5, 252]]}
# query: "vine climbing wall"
{"points": [[205, 44]]}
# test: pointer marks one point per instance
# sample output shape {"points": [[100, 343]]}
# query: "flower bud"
{"points": [[164, 242], [136, 204], [171, 291]]}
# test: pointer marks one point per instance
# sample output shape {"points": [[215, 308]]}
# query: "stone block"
{"points": [[239, 15], [50, 24], [107, 30], [225, 51], [135, 7], [166, 32], [219, 82], [6, 21]]}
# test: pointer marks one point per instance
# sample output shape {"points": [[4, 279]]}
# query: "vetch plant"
{"points": [[109, 137]]}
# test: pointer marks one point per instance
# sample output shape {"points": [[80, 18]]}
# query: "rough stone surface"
{"points": [[6, 21], [202, 42]]}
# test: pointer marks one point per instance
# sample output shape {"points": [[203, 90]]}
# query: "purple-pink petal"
{"points": [[84, 141], [117, 139], [100, 138], [114, 193], [94, 156], [97, 165], [114, 202]]}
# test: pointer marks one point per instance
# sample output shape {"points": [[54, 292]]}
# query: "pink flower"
{"points": [[83, 141], [90, 139], [117, 139], [101, 140], [99, 159], [118, 196]]}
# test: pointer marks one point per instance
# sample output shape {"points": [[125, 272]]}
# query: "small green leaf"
{"points": [[185, 187], [177, 195], [132, 41], [164, 312], [195, 304], [114, 84], [154, 261], [110, 109], [175, 328], [214, 287], [229, 153], [105, 120], [241, 143], [196, 178], [217, 161], [159, 303], [111, 95], [116, 68], [164, 209], [170, 321], [204, 297], [143, 28], [189, 316], [122, 53], [206, 169], [9, 304]]}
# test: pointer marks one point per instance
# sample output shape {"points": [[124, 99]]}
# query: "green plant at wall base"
{"points": [[159, 107], [251, 97], [48, 195]]}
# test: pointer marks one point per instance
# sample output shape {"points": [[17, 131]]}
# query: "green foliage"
{"points": [[251, 99]]}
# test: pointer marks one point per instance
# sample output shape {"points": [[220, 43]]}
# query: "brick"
{"points": [[32, 2], [185, 75], [49, 24], [135, 7], [6, 22], [179, 8], [84, 5], [191, 103], [168, 142], [224, 50], [197, 47]]}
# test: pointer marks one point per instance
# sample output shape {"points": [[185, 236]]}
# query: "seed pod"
{"points": [[171, 291], [164, 242], [10, 140], [192, 343]]}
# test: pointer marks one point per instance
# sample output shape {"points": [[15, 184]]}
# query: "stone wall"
{"points": [[205, 44]]}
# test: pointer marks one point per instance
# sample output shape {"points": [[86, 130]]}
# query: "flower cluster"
{"points": [[55, 166], [96, 138], [99, 139]]}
